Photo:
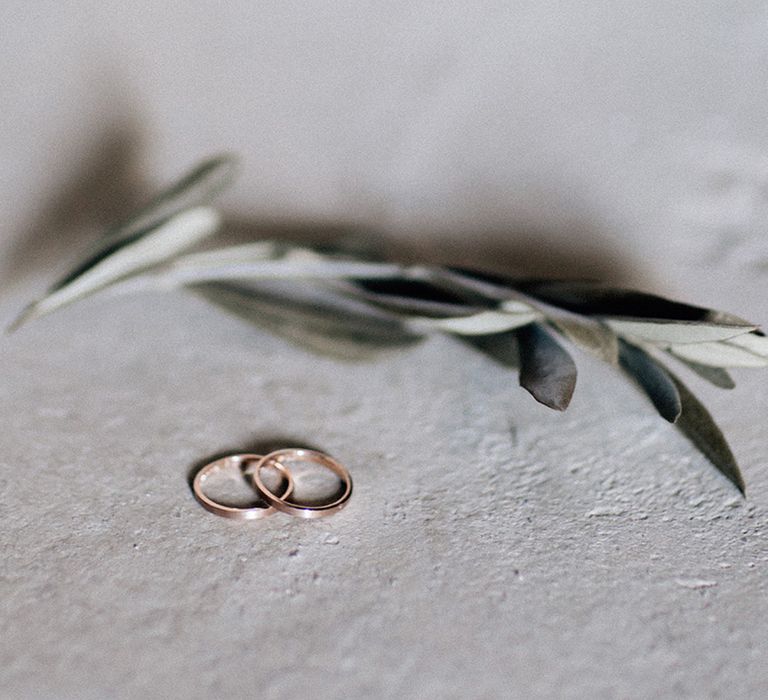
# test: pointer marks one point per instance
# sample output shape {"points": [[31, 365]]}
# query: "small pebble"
{"points": [[695, 583]]}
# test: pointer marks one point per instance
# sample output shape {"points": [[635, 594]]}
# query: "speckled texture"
{"points": [[492, 548]]}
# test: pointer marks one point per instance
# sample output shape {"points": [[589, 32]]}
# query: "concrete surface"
{"points": [[492, 548]]}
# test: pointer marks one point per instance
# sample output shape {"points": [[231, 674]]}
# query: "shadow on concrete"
{"points": [[107, 185], [101, 190]]}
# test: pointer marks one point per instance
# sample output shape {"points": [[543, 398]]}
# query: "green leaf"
{"points": [[587, 333], [500, 347], [718, 376], [265, 260], [166, 221], [401, 299], [481, 323], [547, 371], [152, 247], [699, 426], [196, 188], [652, 378], [722, 354], [673, 400], [665, 332], [755, 342], [324, 323], [596, 300]]}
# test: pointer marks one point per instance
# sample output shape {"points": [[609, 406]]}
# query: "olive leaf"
{"points": [[198, 187], [676, 334], [547, 371], [745, 350], [589, 334], [592, 299], [714, 375], [654, 380], [327, 324], [699, 426], [170, 223], [148, 248]]}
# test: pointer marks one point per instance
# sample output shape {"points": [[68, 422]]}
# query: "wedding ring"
{"points": [[247, 513], [281, 503]]}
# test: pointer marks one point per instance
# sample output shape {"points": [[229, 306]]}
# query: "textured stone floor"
{"points": [[491, 548]]}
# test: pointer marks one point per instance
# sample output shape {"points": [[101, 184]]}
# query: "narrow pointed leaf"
{"points": [[324, 323], [406, 304], [652, 378], [547, 371], [470, 285], [756, 343], [257, 261], [588, 334], [482, 323], [700, 428], [595, 300], [416, 289], [675, 332], [714, 375], [196, 188], [502, 348], [161, 243], [723, 354]]}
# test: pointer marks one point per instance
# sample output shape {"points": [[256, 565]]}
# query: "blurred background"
{"points": [[620, 141]]}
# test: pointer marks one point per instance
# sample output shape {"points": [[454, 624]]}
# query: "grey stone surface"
{"points": [[492, 548]]}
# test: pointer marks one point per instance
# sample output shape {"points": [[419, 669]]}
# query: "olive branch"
{"points": [[333, 301]]}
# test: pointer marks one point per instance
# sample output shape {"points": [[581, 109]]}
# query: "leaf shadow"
{"points": [[108, 184], [578, 251], [102, 188]]}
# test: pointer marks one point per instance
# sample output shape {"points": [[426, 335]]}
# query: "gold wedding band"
{"points": [[276, 459], [250, 512]]}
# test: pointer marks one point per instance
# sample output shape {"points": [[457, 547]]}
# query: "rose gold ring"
{"points": [[298, 454], [250, 512]]}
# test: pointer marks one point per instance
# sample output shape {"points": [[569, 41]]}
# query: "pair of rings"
{"points": [[273, 501]]}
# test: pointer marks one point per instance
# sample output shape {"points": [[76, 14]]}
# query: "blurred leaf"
{"points": [[588, 334], [422, 305], [652, 378], [265, 260], [756, 343], [675, 332], [482, 323], [594, 300], [547, 371], [697, 424], [324, 323], [148, 249], [414, 289], [500, 347], [196, 188], [723, 354], [714, 375]]}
